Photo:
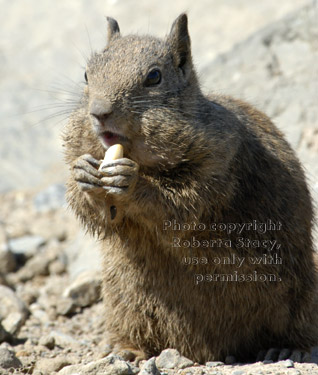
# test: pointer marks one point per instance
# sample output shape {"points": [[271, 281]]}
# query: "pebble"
{"points": [[27, 294], [27, 245], [149, 367], [8, 359], [49, 225], [50, 199], [85, 289], [63, 340], [38, 312], [47, 341], [36, 266], [110, 365], [13, 322], [9, 303], [184, 363], [171, 358], [287, 363], [65, 306], [57, 267], [48, 365], [168, 359], [83, 255]]}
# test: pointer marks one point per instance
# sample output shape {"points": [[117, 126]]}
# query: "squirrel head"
{"points": [[141, 92]]}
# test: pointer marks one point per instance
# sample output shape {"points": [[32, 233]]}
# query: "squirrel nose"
{"points": [[100, 109]]}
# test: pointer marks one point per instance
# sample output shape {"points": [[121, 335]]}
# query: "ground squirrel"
{"points": [[209, 249]]}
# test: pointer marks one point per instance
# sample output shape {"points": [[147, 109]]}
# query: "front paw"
{"points": [[86, 174], [120, 177]]}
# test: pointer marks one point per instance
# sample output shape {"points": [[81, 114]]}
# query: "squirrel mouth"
{"points": [[109, 138]]}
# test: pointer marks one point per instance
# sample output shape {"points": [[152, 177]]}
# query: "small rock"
{"points": [[6, 345], [82, 255], [287, 363], [36, 266], [65, 306], [149, 367], [38, 312], [57, 267], [27, 294], [48, 365], [184, 363], [110, 365], [171, 358], [85, 289], [30, 344], [49, 225], [26, 245], [214, 364], [48, 341], [63, 340], [7, 260], [8, 359], [50, 199], [168, 358], [13, 322], [9, 303]]}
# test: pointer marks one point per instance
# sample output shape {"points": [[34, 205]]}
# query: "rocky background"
{"points": [[50, 309]]}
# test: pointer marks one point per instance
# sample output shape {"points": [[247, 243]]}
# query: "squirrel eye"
{"points": [[85, 76], [153, 78]]}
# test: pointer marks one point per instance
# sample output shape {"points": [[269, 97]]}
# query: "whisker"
{"points": [[89, 40], [64, 114]]}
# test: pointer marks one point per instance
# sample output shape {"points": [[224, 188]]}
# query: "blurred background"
{"points": [[237, 47], [264, 52]]}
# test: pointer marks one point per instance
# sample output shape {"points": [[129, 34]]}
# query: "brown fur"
{"points": [[203, 160]]}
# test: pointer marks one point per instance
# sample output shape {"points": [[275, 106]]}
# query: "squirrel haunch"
{"points": [[189, 158]]}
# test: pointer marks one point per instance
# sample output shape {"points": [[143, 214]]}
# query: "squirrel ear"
{"points": [[180, 41], [112, 28]]}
